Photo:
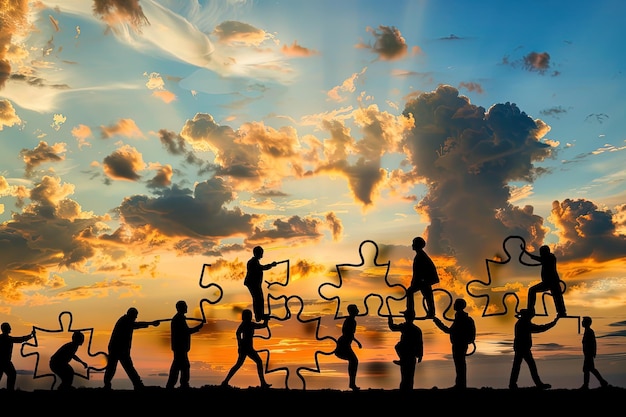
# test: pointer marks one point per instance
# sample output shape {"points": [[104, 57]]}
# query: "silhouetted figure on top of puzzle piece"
{"points": [[522, 347], [462, 333], [181, 344], [410, 348], [589, 353], [254, 281], [120, 344], [6, 353], [344, 345], [424, 277], [60, 361], [245, 347], [550, 280]]}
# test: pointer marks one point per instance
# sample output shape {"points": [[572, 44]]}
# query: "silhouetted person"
{"points": [[589, 353], [410, 348], [6, 353], [344, 345], [462, 332], [181, 344], [119, 347], [522, 345], [245, 347], [424, 277], [550, 280], [254, 281], [60, 361]]}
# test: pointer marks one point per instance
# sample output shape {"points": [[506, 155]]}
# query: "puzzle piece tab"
{"points": [[48, 341]]}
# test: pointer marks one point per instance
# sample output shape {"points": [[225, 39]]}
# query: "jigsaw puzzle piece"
{"points": [[47, 341], [358, 283], [291, 335]]}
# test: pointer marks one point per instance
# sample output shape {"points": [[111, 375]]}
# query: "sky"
{"points": [[149, 145]]}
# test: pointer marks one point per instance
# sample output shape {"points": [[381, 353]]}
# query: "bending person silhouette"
{"points": [[6, 353], [245, 347], [254, 281], [119, 347], [344, 345], [462, 333], [550, 280], [60, 361], [589, 353], [410, 348], [424, 277], [181, 344], [522, 344]]}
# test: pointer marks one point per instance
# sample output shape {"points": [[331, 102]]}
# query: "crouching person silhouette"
{"points": [[60, 361], [344, 345]]}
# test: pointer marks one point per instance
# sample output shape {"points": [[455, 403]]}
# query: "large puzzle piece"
{"points": [[362, 281], [48, 341], [498, 291], [293, 343]]}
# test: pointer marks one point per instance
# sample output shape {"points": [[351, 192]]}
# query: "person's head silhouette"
{"points": [[78, 338], [257, 252], [459, 304], [181, 306], [353, 310], [419, 243], [6, 328], [246, 315]]}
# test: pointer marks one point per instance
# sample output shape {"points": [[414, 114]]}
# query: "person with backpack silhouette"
{"points": [[462, 333], [410, 348], [424, 277]]}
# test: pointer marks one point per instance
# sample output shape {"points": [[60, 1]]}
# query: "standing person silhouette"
{"points": [[60, 361], [119, 347], [424, 277], [550, 280], [344, 345], [462, 333], [245, 347], [6, 353], [589, 353], [522, 344], [254, 281], [181, 344], [410, 348]]}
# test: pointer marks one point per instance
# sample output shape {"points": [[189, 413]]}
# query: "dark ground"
{"points": [[236, 401]]}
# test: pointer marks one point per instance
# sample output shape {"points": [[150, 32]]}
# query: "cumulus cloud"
{"points": [[467, 156], [389, 44]]}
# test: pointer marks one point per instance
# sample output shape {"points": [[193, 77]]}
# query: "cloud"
{"points": [[389, 44], [585, 231], [8, 116], [42, 153], [466, 156], [123, 127], [124, 164], [62, 233]]}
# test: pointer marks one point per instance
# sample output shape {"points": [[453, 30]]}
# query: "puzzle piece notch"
{"points": [[293, 316], [393, 291], [217, 294], [490, 281], [65, 325]]}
